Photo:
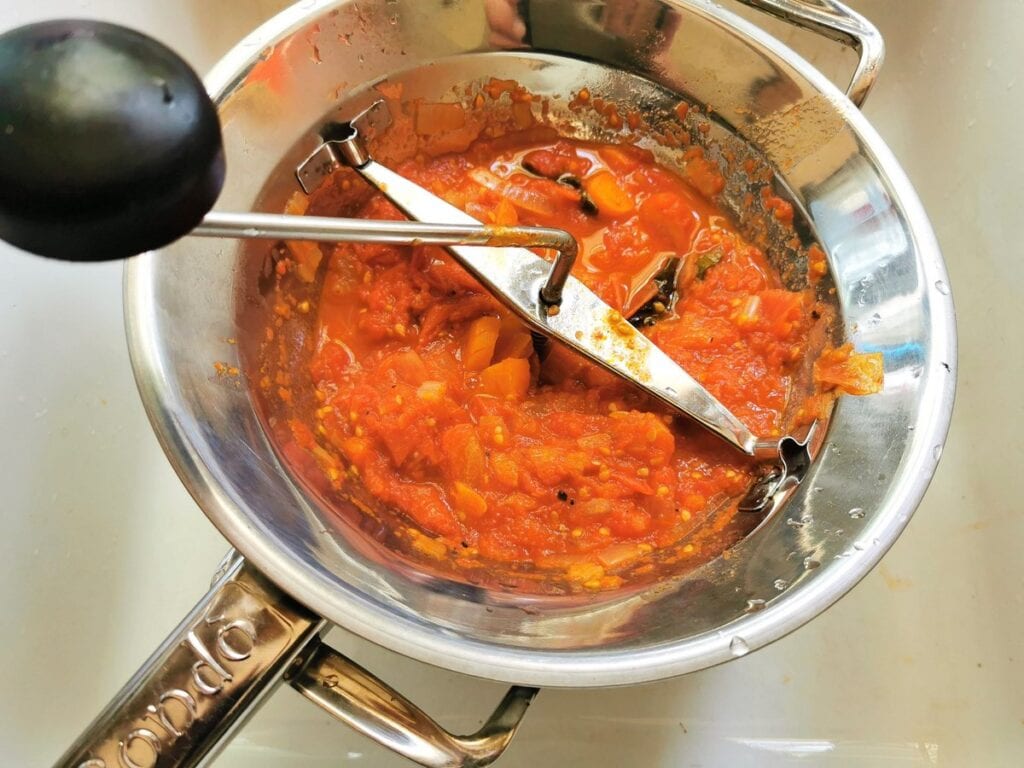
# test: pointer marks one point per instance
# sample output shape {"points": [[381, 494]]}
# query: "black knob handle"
{"points": [[109, 144]]}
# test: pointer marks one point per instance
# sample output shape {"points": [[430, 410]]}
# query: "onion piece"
{"points": [[618, 555], [486, 179]]}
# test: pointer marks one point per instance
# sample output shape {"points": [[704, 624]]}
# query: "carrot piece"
{"points": [[505, 214], [478, 347], [513, 342], [508, 379], [467, 502], [607, 195]]}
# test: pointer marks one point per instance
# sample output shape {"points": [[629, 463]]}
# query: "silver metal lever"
{"points": [[335, 230]]}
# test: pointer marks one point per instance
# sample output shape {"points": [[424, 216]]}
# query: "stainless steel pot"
{"points": [[304, 567]]}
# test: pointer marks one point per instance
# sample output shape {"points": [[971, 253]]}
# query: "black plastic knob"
{"points": [[109, 144]]}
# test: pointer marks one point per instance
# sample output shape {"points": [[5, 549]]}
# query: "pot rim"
{"points": [[429, 643]]}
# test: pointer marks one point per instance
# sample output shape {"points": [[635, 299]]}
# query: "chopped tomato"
{"points": [[559, 160], [670, 220], [433, 397]]}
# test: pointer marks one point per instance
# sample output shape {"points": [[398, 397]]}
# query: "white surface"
{"points": [[102, 551]]}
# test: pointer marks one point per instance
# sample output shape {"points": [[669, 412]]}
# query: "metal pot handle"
{"points": [[837, 22], [233, 648]]}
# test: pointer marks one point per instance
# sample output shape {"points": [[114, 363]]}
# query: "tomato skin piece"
{"points": [[514, 342], [855, 374], [703, 174], [629, 523], [441, 270], [667, 217], [307, 254], [556, 161], [624, 158], [465, 454], [408, 366], [782, 311], [426, 506]]}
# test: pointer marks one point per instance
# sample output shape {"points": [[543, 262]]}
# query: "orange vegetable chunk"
{"points": [[481, 336], [607, 195], [468, 503], [508, 379]]}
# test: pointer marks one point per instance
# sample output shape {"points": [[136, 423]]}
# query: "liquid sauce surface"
{"points": [[433, 397]]}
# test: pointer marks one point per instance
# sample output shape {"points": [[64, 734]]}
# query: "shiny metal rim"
{"points": [[546, 667]]}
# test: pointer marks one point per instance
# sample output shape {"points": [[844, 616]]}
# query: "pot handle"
{"points": [[233, 648], [837, 22], [358, 699]]}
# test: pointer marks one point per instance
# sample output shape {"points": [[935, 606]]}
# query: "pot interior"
{"points": [[458, 80]]}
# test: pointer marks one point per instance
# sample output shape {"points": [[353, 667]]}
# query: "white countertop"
{"points": [[102, 551]]}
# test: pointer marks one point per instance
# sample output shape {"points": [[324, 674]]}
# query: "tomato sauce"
{"points": [[432, 397]]}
